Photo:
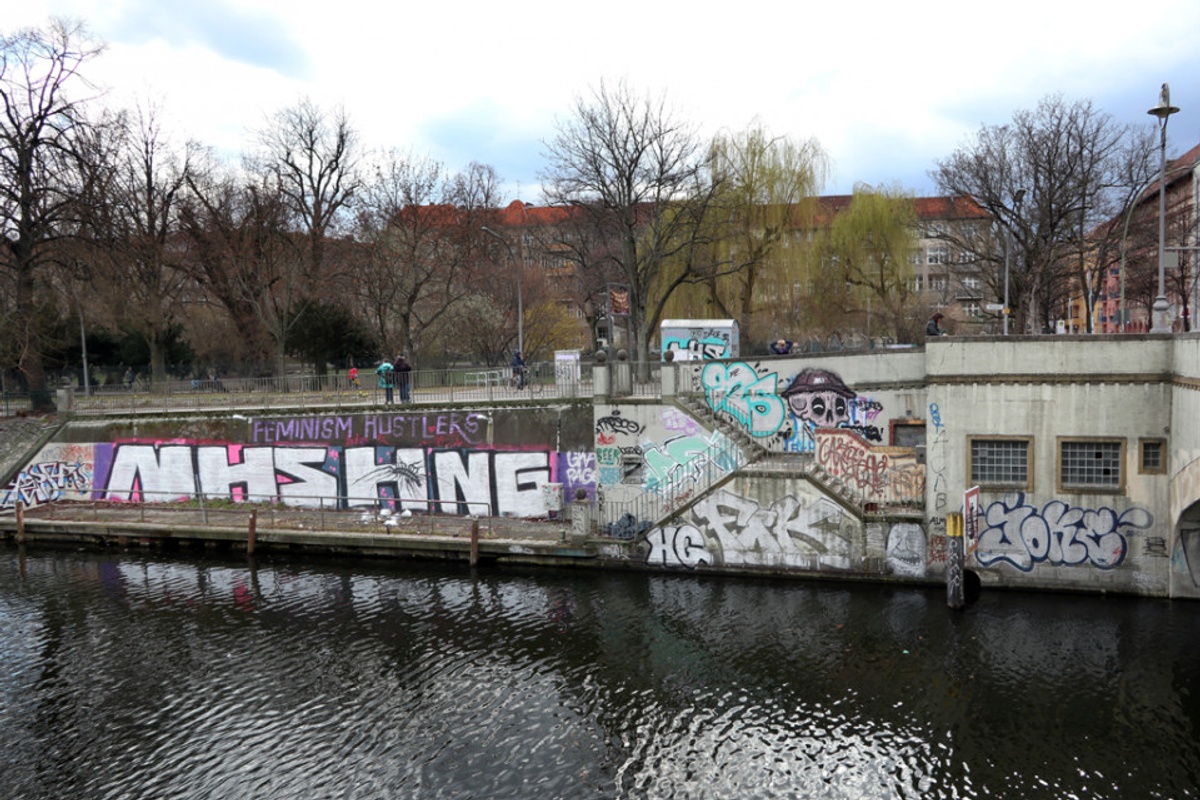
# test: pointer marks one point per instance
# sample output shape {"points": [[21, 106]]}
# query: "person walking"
{"points": [[387, 380], [352, 377], [402, 378]]}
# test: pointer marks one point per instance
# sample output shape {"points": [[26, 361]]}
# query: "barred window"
{"points": [[1000, 462], [1090, 463], [1153, 459]]}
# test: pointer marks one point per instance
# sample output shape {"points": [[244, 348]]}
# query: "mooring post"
{"points": [[20, 522], [475, 541], [252, 533], [954, 560]]}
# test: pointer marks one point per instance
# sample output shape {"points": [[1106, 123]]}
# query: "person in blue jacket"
{"points": [[387, 380]]}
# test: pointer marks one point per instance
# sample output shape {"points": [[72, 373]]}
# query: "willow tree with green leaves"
{"points": [[869, 247], [764, 182]]}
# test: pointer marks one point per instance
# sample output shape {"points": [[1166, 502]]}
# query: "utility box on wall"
{"points": [[700, 339]]}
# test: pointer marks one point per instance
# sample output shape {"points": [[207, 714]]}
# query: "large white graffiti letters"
{"points": [[1059, 534], [677, 545], [506, 483], [739, 391], [787, 533]]}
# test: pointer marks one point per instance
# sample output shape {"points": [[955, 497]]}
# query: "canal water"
{"points": [[145, 676]]}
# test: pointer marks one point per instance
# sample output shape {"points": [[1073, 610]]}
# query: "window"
{"points": [[971, 283], [907, 433], [1090, 464], [1153, 458], [972, 310], [1000, 463]]}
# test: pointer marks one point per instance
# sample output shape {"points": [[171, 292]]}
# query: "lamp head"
{"points": [[1164, 108]]}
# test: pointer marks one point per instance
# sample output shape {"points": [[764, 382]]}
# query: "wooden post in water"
{"points": [[475, 542], [252, 533], [954, 560], [20, 522]]}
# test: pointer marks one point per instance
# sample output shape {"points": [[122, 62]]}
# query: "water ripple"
{"points": [[134, 677]]}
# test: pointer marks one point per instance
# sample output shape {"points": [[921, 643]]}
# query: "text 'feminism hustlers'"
{"points": [[450, 427]]}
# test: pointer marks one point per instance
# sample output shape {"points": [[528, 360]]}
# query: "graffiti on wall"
{"points": [[577, 471], [1022, 535], [60, 472], [729, 529], [46, 482], [813, 399], [878, 474], [818, 398], [907, 550], [456, 480], [691, 344], [441, 429], [679, 464], [739, 391], [936, 463]]}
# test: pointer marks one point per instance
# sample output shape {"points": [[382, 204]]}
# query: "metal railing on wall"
{"points": [[293, 511], [424, 387], [666, 493]]}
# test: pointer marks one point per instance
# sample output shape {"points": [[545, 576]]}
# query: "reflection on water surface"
{"points": [[129, 676]]}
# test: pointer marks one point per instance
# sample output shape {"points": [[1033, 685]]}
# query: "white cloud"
{"points": [[887, 88]]}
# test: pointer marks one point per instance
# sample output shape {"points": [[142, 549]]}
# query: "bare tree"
{"points": [[133, 227], [310, 153], [638, 176], [39, 133], [421, 228], [1069, 158], [241, 253]]}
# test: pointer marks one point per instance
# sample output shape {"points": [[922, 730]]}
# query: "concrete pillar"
{"points": [[622, 375], [601, 378], [670, 375]]}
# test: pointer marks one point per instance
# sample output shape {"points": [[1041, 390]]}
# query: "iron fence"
{"points": [[424, 387]]}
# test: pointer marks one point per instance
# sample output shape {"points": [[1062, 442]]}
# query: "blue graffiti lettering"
{"points": [[1058, 534]]}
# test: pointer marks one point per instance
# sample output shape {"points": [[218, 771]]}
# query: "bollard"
{"points": [[20, 522], [475, 542], [252, 533], [954, 561]]}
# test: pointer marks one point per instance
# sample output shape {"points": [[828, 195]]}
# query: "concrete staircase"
{"points": [[761, 460]]}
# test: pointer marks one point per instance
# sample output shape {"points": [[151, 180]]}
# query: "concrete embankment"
{"points": [[295, 531]]}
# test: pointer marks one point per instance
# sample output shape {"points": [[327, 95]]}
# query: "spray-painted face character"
{"points": [[819, 397]]}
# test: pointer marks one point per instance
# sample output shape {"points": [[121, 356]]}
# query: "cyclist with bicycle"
{"points": [[519, 369]]}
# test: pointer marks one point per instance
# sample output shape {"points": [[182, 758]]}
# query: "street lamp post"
{"points": [[1017, 198], [520, 304], [1161, 315]]}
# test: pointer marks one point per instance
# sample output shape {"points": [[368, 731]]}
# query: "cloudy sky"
{"points": [[887, 88]]}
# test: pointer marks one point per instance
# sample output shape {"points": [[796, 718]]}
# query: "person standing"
{"points": [[352, 376], [934, 326], [387, 380], [402, 378]]}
